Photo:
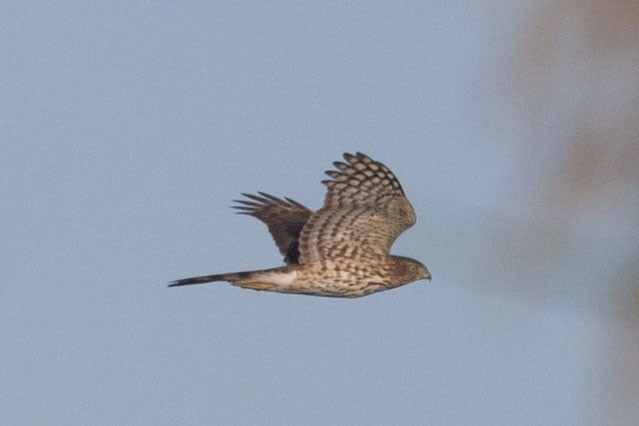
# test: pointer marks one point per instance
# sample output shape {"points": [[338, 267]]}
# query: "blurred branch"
{"points": [[576, 82]]}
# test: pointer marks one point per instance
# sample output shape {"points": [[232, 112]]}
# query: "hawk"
{"points": [[341, 250]]}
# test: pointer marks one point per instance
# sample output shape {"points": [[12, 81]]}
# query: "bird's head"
{"points": [[410, 269]]}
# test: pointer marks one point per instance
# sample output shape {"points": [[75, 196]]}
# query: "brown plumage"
{"points": [[342, 250], [284, 219]]}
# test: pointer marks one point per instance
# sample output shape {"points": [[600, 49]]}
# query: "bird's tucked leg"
{"points": [[254, 285], [276, 279]]}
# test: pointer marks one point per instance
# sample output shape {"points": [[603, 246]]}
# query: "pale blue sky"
{"points": [[127, 130]]}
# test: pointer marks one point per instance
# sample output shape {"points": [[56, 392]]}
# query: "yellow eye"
{"points": [[412, 268]]}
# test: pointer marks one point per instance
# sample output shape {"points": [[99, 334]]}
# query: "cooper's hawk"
{"points": [[342, 250]]}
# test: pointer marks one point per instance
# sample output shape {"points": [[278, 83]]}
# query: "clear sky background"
{"points": [[127, 129]]}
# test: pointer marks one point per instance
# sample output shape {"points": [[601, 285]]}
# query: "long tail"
{"points": [[243, 279], [231, 277]]}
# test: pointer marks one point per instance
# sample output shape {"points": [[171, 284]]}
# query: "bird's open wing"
{"points": [[284, 219], [364, 212]]}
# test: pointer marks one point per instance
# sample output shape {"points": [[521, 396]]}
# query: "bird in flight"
{"points": [[341, 250]]}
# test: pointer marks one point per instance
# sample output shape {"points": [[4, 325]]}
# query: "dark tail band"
{"points": [[200, 280]]}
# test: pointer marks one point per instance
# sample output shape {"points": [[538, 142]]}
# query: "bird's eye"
{"points": [[412, 268]]}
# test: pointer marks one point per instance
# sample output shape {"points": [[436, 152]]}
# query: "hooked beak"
{"points": [[426, 274]]}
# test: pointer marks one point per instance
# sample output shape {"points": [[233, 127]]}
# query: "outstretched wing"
{"points": [[284, 219], [364, 212]]}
